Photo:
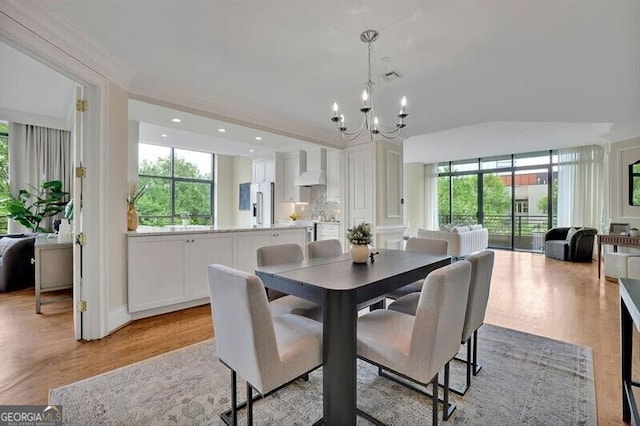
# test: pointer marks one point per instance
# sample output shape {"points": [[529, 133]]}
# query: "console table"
{"points": [[54, 268], [615, 241]]}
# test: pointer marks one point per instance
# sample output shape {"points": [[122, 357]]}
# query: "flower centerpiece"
{"points": [[133, 196], [360, 237]]}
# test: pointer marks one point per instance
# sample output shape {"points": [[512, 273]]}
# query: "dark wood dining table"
{"points": [[342, 286]]}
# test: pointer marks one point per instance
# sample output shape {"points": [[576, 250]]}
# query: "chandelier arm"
{"points": [[355, 132], [388, 131], [389, 136]]}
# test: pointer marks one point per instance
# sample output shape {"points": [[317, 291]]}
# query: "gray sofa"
{"points": [[16, 269], [578, 247]]}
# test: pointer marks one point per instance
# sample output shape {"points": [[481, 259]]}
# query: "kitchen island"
{"points": [[167, 266]]}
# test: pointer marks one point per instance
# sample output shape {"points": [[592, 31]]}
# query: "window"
{"points": [[4, 170], [634, 183], [522, 206], [180, 184], [514, 196]]}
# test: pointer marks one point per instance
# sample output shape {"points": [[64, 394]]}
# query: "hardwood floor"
{"points": [[530, 293]]}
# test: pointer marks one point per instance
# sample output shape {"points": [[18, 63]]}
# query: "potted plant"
{"points": [[65, 234], [31, 208], [360, 237], [132, 198]]}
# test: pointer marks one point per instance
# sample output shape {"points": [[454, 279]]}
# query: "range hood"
{"points": [[312, 178], [312, 168]]}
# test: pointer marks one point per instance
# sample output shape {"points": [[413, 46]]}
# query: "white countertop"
{"points": [[202, 229]]}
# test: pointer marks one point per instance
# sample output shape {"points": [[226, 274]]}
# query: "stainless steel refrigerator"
{"points": [[262, 204]]}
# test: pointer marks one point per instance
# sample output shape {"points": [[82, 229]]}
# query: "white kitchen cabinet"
{"points": [[157, 271], [335, 175], [327, 231], [288, 166], [247, 244], [165, 270], [203, 250], [264, 171], [284, 236]]}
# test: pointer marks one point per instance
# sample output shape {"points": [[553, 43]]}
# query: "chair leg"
{"points": [[249, 405], [234, 399], [476, 367], [447, 409], [434, 400], [468, 362]]}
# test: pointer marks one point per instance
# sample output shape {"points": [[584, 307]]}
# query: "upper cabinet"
{"points": [[264, 171], [335, 175], [288, 166]]}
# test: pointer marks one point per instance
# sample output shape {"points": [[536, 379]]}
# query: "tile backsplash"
{"points": [[318, 206]]}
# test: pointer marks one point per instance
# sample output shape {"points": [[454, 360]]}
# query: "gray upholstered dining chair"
{"points": [[420, 245], [265, 350], [479, 287], [418, 347], [287, 304], [324, 248]]}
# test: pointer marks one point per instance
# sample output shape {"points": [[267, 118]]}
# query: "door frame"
{"points": [[19, 29]]}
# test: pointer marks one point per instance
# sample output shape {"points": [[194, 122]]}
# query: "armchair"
{"points": [[572, 244], [16, 269]]}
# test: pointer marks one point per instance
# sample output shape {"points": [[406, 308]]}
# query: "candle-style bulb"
{"points": [[403, 102], [365, 96], [342, 118], [335, 107]]}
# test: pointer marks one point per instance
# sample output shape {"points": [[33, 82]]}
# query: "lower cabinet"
{"points": [[166, 270], [203, 251], [327, 231], [247, 243], [173, 269]]}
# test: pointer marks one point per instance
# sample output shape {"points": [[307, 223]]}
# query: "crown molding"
{"points": [[157, 92], [64, 36], [620, 133]]}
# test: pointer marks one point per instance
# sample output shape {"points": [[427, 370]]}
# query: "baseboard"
{"points": [[166, 309], [118, 318]]}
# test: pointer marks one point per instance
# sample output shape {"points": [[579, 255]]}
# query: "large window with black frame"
{"points": [[514, 196], [180, 186]]}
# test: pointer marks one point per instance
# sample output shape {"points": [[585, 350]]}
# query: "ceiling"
{"points": [[475, 73]]}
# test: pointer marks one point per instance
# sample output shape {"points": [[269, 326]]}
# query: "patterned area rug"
{"points": [[525, 379]]}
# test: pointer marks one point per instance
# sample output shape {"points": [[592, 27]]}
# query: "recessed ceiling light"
{"points": [[258, 138], [250, 150], [221, 130], [164, 135], [176, 120]]}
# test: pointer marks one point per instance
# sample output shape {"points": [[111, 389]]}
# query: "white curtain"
{"points": [[431, 196], [38, 154], [582, 185]]}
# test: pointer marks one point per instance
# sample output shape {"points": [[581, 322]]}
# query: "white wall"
{"points": [[414, 197], [231, 171], [116, 187], [621, 155], [242, 173], [223, 190], [132, 150]]}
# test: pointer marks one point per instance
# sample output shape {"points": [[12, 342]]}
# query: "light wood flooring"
{"points": [[530, 293]]}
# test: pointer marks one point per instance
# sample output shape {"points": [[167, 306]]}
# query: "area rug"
{"points": [[525, 379]]}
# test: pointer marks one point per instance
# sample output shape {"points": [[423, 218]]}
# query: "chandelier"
{"points": [[370, 121]]}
